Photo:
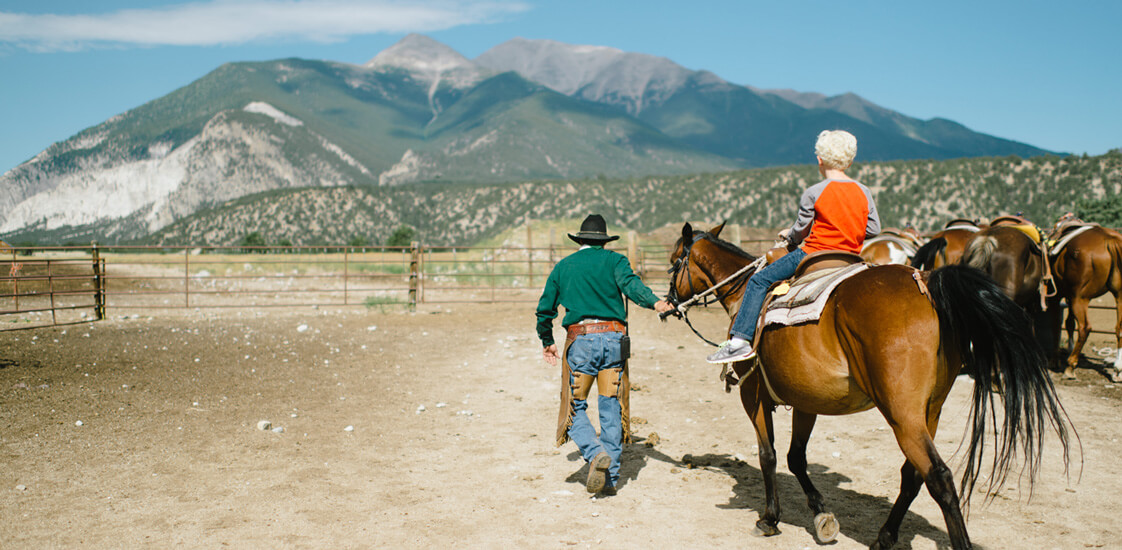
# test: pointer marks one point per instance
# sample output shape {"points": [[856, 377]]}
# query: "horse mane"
{"points": [[723, 244]]}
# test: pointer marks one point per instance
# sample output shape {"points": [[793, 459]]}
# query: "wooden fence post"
{"points": [[186, 277], [414, 276], [15, 281], [633, 253], [552, 239], [99, 287], [530, 255]]}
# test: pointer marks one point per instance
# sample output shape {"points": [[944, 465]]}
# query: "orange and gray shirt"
{"points": [[835, 215]]}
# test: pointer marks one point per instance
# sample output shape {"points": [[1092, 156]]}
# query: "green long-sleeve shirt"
{"points": [[588, 284]]}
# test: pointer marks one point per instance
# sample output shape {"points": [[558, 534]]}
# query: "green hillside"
{"points": [[925, 194]]}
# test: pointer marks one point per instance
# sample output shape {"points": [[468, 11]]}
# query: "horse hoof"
{"points": [[764, 530], [826, 526], [1069, 374]]}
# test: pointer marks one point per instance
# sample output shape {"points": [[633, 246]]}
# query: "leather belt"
{"points": [[577, 329]]}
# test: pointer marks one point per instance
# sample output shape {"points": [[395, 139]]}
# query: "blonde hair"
{"points": [[836, 148]]}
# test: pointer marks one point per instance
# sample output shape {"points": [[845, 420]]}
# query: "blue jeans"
{"points": [[590, 354], [756, 290]]}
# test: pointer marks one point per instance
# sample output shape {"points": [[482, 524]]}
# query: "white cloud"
{"points": [[239, 21]]}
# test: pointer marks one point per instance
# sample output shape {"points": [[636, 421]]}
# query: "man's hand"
{"points": [[665, 309], [549, 353], [785, 234]]}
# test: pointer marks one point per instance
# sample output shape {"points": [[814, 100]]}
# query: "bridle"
{"points": [[710, 295]]}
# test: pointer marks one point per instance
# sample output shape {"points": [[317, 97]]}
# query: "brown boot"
{"points": [[598, 472]]}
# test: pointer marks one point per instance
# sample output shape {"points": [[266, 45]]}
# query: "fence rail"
{"points": [[51, 291], [48, 286]]}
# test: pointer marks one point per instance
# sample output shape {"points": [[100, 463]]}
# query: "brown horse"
{"points": [[891, 338], [1087, 263], [1009, 251], [1013, 259], [946, 246]]}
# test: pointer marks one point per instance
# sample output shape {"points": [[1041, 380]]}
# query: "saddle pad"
{"points": [[807, 296]]}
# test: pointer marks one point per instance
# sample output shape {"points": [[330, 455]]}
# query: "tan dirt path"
{"points": [[453, 415]]}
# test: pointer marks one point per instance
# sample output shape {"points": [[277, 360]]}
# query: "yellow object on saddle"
{"points": [[1025, 226], [1030, 230], [781, 289]]}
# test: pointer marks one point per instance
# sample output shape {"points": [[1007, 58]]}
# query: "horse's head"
{"points": [[681, 270], [699, 261]]}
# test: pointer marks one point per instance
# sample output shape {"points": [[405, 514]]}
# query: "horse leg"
{"points": [[1069, 324], [1079, 311], [910, 482], [825, 524], [924, 459], [758, 408]]}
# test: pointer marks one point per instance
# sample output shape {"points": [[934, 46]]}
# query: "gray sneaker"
{"points": [[729, 353]]}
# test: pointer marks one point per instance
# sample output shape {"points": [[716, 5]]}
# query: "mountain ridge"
{"points": [[420, 112]]}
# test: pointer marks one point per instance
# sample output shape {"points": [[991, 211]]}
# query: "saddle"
{"points": [[908, 234], [1025, 226], [803, 298], [1065, 233], [961, 223]]}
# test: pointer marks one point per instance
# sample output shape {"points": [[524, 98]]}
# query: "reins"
{"points": [[682, 308]]}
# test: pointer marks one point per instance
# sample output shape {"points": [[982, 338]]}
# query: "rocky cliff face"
{"points": [[237, 153]]}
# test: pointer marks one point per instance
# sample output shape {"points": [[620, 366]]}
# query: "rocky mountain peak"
{"points": [[596, 73], [420, 54]]}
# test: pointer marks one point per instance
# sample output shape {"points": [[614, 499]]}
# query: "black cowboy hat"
{"points": [[593, 230]]}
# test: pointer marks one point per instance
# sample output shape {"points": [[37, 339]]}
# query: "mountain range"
{"points": [[421, 113]]}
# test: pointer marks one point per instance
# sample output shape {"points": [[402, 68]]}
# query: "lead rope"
{"points": [[683, 307], [1046, 282]]}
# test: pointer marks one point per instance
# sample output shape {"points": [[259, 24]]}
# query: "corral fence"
{"points": [[51, 286]]}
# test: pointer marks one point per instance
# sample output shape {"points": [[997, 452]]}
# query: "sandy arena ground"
{"points": [[435, 429]]}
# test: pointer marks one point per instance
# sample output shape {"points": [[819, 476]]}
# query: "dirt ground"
{"points": [[434, 429]]}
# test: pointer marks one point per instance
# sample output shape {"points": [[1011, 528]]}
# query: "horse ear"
{"points": [[716, 231], [687, 233]]}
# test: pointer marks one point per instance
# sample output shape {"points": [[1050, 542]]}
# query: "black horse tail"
{"points": [[994, 337], [979, 252], [924, 258]]}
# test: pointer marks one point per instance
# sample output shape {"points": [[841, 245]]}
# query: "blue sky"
{"points": [[1043, 73]]}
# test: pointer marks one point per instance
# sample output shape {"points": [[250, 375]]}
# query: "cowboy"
{"points": [[837, 213], [590, 285]]}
